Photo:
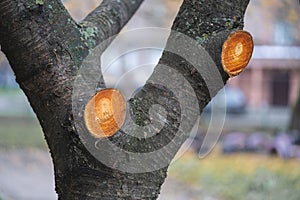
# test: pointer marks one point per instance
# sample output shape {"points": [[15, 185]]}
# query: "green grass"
{"points": [[20, 132], [240, 176]]}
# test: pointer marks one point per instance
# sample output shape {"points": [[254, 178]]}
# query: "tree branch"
{"points": [[207, 23], [36, 32], [188, 75], [109, 18]]}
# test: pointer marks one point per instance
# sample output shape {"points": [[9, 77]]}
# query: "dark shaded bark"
{"points": [[294, 126], [45, 48]]}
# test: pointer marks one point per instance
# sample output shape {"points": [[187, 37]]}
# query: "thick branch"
{"points": [[186, 78], [32, 37], [110, 17], [207, 23], [210, 22]]}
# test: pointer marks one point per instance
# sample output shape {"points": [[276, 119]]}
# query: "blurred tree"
{"points": [[46, 47], [295, 121]]}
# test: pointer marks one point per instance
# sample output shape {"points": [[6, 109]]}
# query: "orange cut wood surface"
{"points": [[236, 52], [105, 113]]}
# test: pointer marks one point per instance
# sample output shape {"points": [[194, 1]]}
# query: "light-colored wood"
{"points": [[105, 113], [236, 52]]}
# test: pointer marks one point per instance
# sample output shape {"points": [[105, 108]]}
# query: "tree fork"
{"points": [[45, 58]]}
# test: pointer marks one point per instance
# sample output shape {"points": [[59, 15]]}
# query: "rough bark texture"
{"points": [[45, 48]]}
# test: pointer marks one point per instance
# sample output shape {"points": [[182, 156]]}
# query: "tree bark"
{"points": [[294, 126], [46, 47]]}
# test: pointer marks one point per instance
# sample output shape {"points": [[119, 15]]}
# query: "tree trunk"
{"points": [[294, 125], [46, 47]]}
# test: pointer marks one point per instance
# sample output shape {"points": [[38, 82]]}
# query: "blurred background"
{"points": [[258, 153]]}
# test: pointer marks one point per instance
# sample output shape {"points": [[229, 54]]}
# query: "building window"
{"points": [[280, 85]]}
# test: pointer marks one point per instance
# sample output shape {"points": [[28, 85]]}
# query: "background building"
{"points": [[273, 75]]}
